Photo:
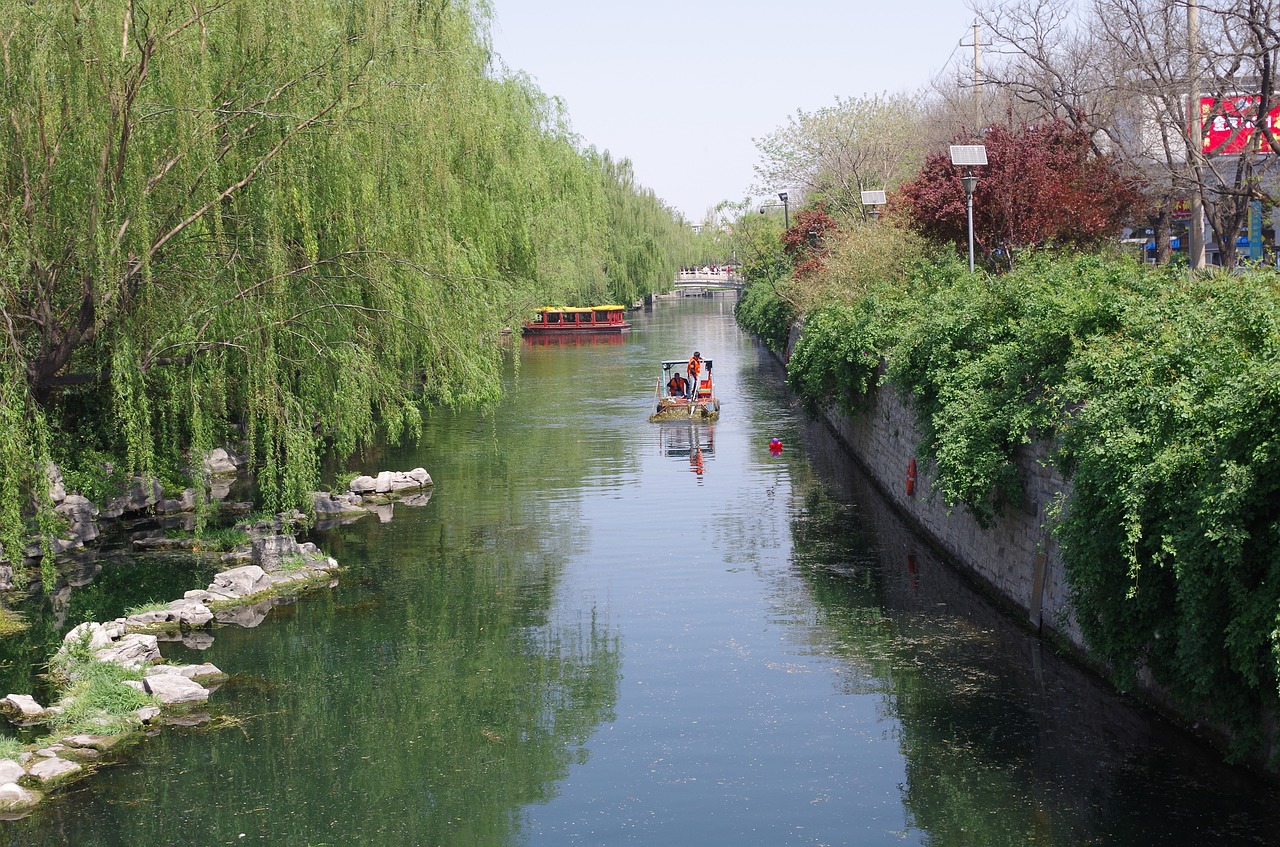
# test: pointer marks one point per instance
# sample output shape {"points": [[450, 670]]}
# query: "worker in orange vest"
{"points": [[695, 365]]}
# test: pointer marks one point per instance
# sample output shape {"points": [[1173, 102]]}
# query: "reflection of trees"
{"points": [[429, 711], [1004, 743]]}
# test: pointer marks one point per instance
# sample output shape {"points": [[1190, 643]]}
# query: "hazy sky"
{"points": [[682, 88]]}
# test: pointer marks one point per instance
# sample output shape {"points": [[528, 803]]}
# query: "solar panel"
{"points": [[873, 198], [968, 154]]}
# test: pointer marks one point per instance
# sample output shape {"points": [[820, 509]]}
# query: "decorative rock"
{"points": [[203, 671], [142, 495], [199, 595], [98, 635], [186, 502], [270, 550], [175, 690], [80, 515], [132, 651], [190, 613], [333, 505], [51, 770], [363, 485], [11, 771], [57, 487], [23, 704], [14, 797], [241, 582], [147, 713], [222, 462], [101, 743]]}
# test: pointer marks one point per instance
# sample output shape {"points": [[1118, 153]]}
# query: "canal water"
{"points": [[601, 631]]}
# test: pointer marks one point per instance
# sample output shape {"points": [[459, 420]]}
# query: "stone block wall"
{"points": [[1016, 557]]}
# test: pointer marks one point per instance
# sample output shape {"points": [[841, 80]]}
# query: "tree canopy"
{"points": [[1043, 185], [282, 218]]}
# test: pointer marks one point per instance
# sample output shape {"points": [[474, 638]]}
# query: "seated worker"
{"points": [[677, 385]]}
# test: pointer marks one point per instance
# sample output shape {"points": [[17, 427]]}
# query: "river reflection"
{"points": [[602, 631]]}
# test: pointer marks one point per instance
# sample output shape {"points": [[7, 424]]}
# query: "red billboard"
{"points": [[1229, 125]]}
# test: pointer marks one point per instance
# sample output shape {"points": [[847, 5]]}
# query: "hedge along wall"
{"points": [[1015, 555], [1155, 395]]}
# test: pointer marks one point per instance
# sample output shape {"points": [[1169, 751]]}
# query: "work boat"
{"points": [[560, 320], [703, 407]]}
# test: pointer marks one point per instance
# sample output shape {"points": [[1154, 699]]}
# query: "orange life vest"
{"points": [[695, 364]]}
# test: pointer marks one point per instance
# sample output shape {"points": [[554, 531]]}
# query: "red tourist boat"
{"points": [[560, 320]]}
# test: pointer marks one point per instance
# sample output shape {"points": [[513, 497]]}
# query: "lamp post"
{"points": [[786, 212], [872, 201], [968, 156]]}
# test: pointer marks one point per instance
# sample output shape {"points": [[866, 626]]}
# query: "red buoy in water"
{"points": [[775, 447]]}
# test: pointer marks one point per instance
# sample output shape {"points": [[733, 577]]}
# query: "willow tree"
{"points": [[286, 218]]}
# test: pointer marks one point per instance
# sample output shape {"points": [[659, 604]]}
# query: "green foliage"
{"points": [[1172, 529], [836, 357], [289, 220], [1163, 397], [984, 361], [762, 312], [11, 748]]}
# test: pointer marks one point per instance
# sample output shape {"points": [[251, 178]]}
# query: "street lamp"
{"points": [[872, 201], [968, 156], [786, 213]]}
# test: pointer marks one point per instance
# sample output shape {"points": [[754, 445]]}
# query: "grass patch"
{"points": [[97, 700], [213, 540], [143, 608], [10, 748], [11, 623]]}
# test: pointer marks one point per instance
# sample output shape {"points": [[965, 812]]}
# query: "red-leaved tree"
{"points": [[803, 243], [1043, 185]]}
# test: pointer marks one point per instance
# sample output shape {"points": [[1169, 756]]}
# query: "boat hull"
{"points": [[598, 329], [703, 410]]}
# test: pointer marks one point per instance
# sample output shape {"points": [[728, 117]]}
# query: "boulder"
{"points": [[222, 462], [202, 671], [142, 495], [270, 551], [335, 505], [190, 613], [186, 502], [363, 485], [101, 743], [22, 705], [11, 771], [98, 635], [14, 797], [80, 515], [57, 487], [147, 713], [174, 689], [132, 651], [242, 582], [52, 770]]}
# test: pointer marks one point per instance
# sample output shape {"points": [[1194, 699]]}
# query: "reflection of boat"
{"points": [[585, 339], [702, 407], [688, 442], [684, 441], [559, 320]]}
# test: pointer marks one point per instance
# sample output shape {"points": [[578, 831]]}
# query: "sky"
{"points": [[682, 88]]}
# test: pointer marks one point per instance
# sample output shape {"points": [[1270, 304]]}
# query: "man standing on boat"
{"points": [[695, 365]]}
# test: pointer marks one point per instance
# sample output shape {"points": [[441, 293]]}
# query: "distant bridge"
{"points": [[687, 281]]}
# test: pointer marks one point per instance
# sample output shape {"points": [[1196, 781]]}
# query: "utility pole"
{"points": [[977, 78], [1195, 132]]}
